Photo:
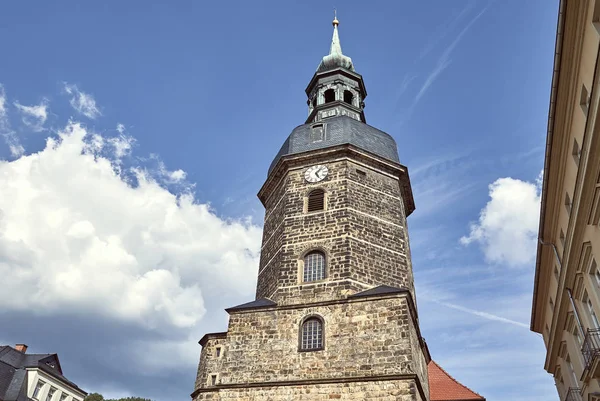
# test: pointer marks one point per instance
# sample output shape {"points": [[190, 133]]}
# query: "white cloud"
{"points": [[508, 224], [34, 116], [83, 102], [11, 139], [122, 145], [76, 237], [2, 104]]}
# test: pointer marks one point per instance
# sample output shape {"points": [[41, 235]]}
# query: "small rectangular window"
{"points": [[213, 380], [592, 313], [596, 16], [317, 133], [568, 203], [218, 352], [577, 335], [38, 388], [594, 270], [584, 100], [316, 201], [50, 394], [576, 152]]}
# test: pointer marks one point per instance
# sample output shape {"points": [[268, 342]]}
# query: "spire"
{"points": [[336, 47], [335, 58]]}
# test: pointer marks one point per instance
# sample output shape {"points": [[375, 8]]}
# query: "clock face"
{"points": [[316, 173]]}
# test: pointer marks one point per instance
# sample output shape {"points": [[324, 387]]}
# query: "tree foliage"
{"points": [[99, 397]]}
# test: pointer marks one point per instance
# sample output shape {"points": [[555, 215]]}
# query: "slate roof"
{"points": [[13, 366], [340, 130], [379, 290], [443, 387], [259, 303]]}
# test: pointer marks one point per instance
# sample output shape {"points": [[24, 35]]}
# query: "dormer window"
{"points": [[329, 95], [316, 133], [348, 97]]}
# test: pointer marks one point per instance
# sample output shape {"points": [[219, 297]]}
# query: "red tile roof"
{"points": [[443, 387]]}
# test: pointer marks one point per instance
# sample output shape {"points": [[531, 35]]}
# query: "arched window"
{"points": [[311, 336], [314, 266], [329, 95], [348, 97], [316, 201]]}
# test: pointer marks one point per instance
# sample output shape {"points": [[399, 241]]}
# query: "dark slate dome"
{"points": [[339, 130]]}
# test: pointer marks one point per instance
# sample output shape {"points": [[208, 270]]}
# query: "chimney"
{"points": [[21, 348]]}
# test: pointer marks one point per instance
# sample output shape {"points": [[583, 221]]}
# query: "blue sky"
{"points": [[134, 137]]}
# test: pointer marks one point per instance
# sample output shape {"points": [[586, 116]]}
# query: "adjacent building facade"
{"points": [[566, 299], [335, 313], [38, 377]]}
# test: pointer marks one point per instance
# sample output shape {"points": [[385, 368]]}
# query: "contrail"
{"points": [[484, 315]]}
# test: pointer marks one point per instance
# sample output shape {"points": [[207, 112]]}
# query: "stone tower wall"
{"points": [[363, 338], [380, 390], [362, 232]]}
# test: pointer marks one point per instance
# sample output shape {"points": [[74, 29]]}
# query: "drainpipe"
{"points": [[569, 293]]}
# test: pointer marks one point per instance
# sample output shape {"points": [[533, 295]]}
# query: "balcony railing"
{"points": [[574, 394], [591, 347]]}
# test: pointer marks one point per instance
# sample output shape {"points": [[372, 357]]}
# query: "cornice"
{"points": [[298, 160], [583, 197], [569, 41]]}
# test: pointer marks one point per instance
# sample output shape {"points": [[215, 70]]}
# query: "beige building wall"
{"points": [[566, 299]]}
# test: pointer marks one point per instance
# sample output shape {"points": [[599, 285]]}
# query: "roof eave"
{"points": [[551, 121]]}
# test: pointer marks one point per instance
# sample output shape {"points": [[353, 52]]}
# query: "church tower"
{"points": [[335, 315]]}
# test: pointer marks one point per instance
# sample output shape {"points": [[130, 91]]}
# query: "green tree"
{"points": [[99, 397]]}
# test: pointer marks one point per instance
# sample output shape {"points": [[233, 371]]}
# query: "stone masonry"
{"points": [[372, 347]]}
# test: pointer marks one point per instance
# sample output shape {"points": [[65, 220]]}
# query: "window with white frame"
{"points": [[575, 380], [38, 388], [50, 394], [595, 272], [592, 313], [577, 335]]}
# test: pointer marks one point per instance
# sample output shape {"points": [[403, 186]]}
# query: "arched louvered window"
{"points": [[329, 95], [316, 200], [348, 97], [311, 336], [314, 266]]}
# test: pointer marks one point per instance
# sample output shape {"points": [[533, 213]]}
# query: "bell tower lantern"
{"points": [[336, 89]]}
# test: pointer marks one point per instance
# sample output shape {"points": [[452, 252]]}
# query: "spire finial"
{"points": [[335, 20]]}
